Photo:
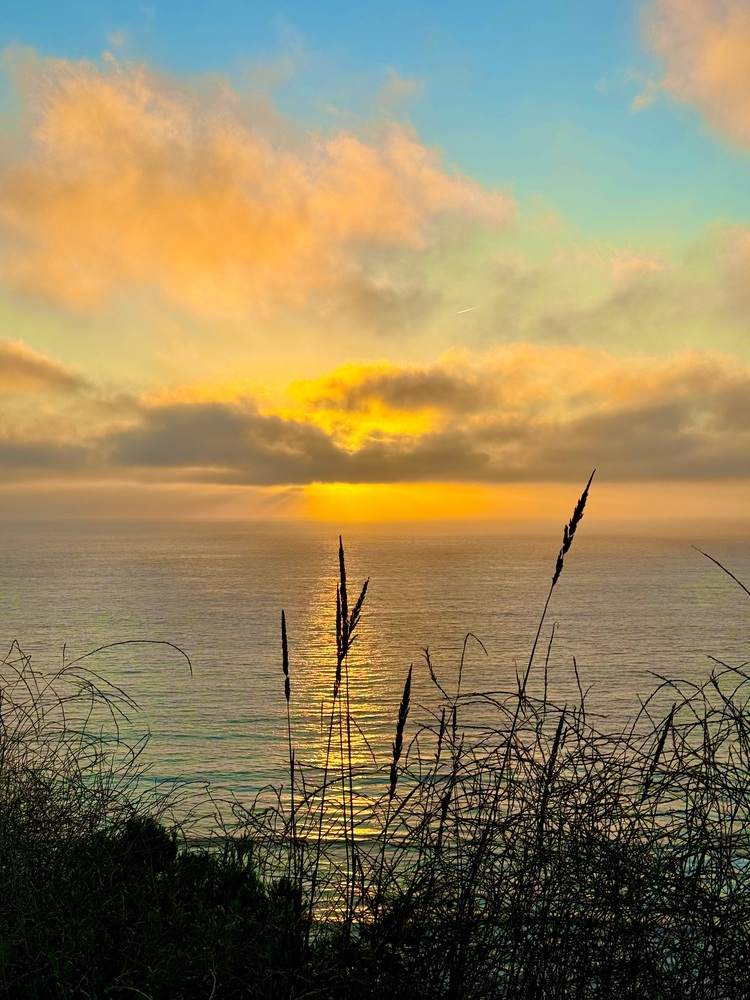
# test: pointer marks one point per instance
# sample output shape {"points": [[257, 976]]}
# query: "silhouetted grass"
{"points": [[100, 894], [532, 855]]}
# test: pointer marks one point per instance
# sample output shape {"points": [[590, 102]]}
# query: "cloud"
{"points": [[396, 92], [522, 414], [23, 370], [517, 414], [41, 456], [596, 294], [229, 443], [131, 182], [706, 47], [226, 442], [406, 388], [642, 101], [379, 305]]}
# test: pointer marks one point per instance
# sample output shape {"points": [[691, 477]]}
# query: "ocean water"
{"points": [[627, 608]]}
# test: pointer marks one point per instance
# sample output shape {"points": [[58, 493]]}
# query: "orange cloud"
{"points": [[519, 414], [353, 403], [706, 46], [24, 370], [628, 267], [133, 182], [537, 384]]}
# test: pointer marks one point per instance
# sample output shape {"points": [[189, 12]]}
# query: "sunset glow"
{"points": [[312, 269]]}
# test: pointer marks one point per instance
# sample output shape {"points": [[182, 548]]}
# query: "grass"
{"points": [[534, 855]]}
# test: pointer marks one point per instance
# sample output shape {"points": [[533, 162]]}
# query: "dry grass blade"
{"points": [[339, 640], [725, 570], [568, 533], [346, 623], [344, 610], [285, 657], [549, 776], [354, 617], [403, 713], [657, 754], [433, 675], [132, 642]]}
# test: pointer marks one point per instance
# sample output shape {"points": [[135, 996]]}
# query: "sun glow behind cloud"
{"points": [[520, 413], [404, 502], [663, 508]]}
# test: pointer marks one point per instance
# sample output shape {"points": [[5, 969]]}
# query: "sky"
{"points": [[341, 261]]}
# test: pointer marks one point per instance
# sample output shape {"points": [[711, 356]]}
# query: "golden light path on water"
{"points": [[334, 737]]}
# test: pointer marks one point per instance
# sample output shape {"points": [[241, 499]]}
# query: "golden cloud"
{"points": [[520, 414], [706, 46], [24, 370], [520, 385], [131, 182]]}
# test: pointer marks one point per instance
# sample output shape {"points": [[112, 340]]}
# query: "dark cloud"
{"points": [[416, 389], [44, 456], [227, 443], [384, 308]]}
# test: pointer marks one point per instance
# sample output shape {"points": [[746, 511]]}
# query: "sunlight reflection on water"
{"points": [[624, 607]]}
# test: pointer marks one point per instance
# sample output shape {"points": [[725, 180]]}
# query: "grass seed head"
{"points": [[570, 530], [403, 713]]}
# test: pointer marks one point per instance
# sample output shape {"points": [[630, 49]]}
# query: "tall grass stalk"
{"points": [[294, 863], [340, 721], [568, 533]]}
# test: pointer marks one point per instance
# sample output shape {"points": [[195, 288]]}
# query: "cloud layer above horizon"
{"points": [[517, 414]]}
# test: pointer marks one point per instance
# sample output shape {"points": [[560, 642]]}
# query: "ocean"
{"points": [[626, 608]]}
